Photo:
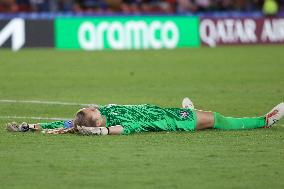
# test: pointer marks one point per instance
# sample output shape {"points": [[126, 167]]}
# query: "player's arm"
{"points": [[112, 130], [115, 130], [23, 127]]}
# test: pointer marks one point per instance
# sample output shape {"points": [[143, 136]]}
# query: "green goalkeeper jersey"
{"points": [[141, 118]]}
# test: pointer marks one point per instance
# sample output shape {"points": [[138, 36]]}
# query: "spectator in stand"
{"points": [[23, 5], [114, 5], [281, 5], [40, 5], [62, 5], [246, 6], [194, 5], [155, 6], [136, 6], [166, 6], [148, 6], [270, 7], [203, 5], [90, 6], [131, 6], [8, 6], [225, 5], [240, 5], [184, 6]]}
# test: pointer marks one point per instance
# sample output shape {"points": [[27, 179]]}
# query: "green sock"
{"points": [[230, 123]]}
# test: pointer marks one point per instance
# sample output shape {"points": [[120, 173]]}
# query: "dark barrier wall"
{"points": [[232, 31], [18, 33]]}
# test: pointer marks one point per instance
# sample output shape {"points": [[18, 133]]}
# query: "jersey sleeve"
{"points": [[57, 124]]}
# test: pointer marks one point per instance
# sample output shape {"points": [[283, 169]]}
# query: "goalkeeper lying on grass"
{"points": [[126, 119]]}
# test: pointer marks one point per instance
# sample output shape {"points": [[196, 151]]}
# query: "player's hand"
{"points": [[15, 127]]}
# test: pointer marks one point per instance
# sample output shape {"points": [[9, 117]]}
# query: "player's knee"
{"points": [[205, 120]]}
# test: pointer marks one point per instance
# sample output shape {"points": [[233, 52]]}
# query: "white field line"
{"points": [[35, 118], [45, 102], [39, 102]]}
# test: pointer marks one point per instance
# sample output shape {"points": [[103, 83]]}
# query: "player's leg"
{"points": [[207, 120]]}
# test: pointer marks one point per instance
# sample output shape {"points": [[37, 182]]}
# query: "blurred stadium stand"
{"points": [[134, 6]]}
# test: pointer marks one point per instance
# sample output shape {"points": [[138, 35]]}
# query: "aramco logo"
{"points": [[128, 35]]}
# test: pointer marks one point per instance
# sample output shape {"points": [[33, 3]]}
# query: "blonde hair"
{"points": [[82, 120]]}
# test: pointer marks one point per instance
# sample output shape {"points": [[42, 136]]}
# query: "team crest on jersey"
{"points": [[184, 114]]}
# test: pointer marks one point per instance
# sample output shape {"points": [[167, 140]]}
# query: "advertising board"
{"points": [[232, 31], [127, 33], [18, 33]]}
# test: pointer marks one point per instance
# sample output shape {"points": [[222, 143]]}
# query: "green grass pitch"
{"points": [[235, 81]]}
